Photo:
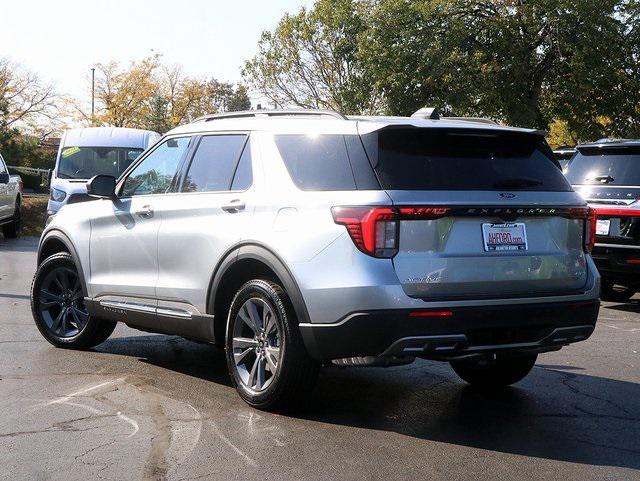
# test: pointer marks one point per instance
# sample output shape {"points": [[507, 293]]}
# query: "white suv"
{"points": [[294, 238]]}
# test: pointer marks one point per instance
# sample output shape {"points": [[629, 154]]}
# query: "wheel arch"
{"points": [[56, 242], [243, 263]]}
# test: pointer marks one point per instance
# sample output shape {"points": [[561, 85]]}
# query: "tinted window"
{"points": [[317, 162], [155, 174], [244, 175], [443, 159], [605, 166], [214, 163]]}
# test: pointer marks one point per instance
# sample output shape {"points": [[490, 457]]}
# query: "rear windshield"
{"points": [[445, 159], [605, 166]]}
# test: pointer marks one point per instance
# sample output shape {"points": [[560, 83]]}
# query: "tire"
{"points": [[12, 229], [276, 342], [503, 370], [615, 292], [51, 295]]}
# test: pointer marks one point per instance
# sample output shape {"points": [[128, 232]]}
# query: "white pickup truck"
{"points": [[10, 201]]}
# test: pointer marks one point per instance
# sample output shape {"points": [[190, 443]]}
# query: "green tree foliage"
{"points": [[523, 62], [239, 100]]}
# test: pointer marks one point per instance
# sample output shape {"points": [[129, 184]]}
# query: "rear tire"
{"points": [[615, 292], [57, 305], [12, 230], [268, 363], [502, 370]]}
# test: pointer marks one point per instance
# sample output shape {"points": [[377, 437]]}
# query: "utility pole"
{"points": [[93, 96]]}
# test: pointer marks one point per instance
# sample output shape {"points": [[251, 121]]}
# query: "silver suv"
{"points": [[296, 238]]}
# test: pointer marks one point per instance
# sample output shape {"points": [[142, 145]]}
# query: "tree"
{"points": [[238, 100], [309, 60], [25, 101]]}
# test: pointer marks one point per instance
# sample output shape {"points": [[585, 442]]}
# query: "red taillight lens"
{"points": [[589, 216], [374, 230]]}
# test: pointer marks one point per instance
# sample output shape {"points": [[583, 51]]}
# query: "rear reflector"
{"points": [[430, 314], [633, 261]]}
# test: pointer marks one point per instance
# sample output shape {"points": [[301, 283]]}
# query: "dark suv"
{"points": [[607, 174]]}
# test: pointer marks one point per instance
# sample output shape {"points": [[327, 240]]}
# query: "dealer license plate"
{"points": [[504, 237]]}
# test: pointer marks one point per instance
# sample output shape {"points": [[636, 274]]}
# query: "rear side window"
{"points": [[603, 165], [446, 159], [243, 177], [317, 162], [214, 163]]}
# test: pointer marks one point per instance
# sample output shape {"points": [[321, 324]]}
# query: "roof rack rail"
{"points": [[272, 113]]}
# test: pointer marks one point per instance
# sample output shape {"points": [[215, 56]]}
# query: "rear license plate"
{"points": [[504, 237], [603, 226]]}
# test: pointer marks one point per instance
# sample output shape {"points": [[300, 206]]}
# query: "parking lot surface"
{"points": [[154, 407]]}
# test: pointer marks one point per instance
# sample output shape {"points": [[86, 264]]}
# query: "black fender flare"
{"points": [[60, 236], [259, 252]]}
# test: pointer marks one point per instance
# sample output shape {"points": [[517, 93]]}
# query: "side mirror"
{"points": [[4, 177], [102, 186]]}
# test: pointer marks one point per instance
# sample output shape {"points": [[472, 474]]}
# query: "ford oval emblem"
{"points": [[507, 195]]}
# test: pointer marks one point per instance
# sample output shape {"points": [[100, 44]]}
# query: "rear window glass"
{"points": [[444, 159], [605, 166], [318, 162]]}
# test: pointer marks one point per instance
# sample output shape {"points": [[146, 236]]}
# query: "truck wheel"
{"points": [[12, 229], [502, 370], [268, 363], [57, 305], [615, 293]]}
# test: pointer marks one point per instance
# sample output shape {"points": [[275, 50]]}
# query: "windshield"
{"points": [[605, 166], [443, 159], [85, 162]]}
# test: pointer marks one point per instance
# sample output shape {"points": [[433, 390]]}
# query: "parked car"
{"points": [[10, 201], [607, 174], [295, 238], [563, 155], [91, 151]]}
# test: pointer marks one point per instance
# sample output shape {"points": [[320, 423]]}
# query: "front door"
{"points": [[124, 231]]}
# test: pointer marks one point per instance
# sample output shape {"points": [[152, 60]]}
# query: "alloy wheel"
{"points": [[256, 344], [61, 302]]}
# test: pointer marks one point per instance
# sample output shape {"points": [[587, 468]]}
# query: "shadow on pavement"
{"points": [[553, 414], [21, 244]]}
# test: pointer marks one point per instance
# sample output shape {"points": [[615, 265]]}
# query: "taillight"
{"points": [[374, 230], [590, 218]]}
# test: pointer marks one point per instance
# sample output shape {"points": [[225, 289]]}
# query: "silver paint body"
{"points": [[166, 261], [9, 193]]}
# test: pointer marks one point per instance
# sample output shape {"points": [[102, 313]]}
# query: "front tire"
{"points": [[57, 305], [268, 363], [500, 370], [12, 229]]}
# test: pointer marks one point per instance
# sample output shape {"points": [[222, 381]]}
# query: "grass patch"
{"points": [[34, 215]]}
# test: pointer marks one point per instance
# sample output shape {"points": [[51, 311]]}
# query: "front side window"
{"points": [[155, 174], [85, 162], [214, 163]]}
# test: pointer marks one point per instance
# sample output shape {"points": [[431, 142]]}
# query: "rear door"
{"points": [[203, 220], [501, 223]]}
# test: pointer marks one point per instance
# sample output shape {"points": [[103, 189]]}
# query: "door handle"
{"points": [[236, 205], [146, 211]]}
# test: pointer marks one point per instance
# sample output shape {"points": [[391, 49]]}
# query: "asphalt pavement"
{"points": [[157, 407]]}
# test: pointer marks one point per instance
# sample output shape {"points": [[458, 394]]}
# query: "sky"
{"points": [[62, 39]]}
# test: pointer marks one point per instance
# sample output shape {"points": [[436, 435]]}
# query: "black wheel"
{"points": [[615, 292], [57, 305], [267, 360], [12, 230], [495, 371]]}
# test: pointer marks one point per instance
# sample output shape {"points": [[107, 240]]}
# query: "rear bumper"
{"points": [[614, 263], [467, 331]]}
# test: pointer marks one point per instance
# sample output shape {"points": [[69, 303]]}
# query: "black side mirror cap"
{"points": [[102, 186], [4, 178]]}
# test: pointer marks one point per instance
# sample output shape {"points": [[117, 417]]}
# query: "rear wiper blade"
{"points": [[603, 179], [516, 183]]}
